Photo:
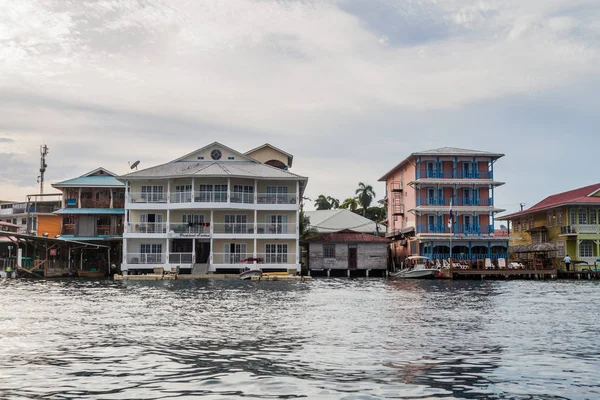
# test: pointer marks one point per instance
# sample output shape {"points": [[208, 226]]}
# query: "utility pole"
{"points": [[43, 166], [522, 205]]}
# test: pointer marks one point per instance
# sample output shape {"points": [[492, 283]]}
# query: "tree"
{"points": [[333, 202], [322, 203], [305, 229], [365, 195], [350, 203]]}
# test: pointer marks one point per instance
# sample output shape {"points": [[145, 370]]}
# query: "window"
{"points": [[593, 216], [183, 194], [276, 224], [559, 218], [583, 216], [231, 158], [151, 253], [531, 222], [200, 158], [329, 251], [152, 194], [220, 194], [551, 218], [234, 252], [242, 194], [586, 249], [23, 221], [193, 223], [560, 248], [236, 224], [277, 194], [538, 237], [572, 220], [276, 254], [523, 224]]}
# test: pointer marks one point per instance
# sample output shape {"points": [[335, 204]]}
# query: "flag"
{"points": [[450, 217]]}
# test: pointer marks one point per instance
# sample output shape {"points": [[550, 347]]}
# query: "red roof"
{"points": [[349, 237], [577, 196]]}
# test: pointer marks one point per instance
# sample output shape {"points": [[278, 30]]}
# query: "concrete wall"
{"points": [[370, 256]]}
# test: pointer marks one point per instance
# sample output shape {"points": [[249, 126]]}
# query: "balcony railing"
{"points": [[191, 228], [276, 229], [210, 196], [147, 197], [272, 198], [456, 174], [277, 258], [579, 229], [245, 198], [147, 227], [181, 258], [457, 201], [457, 229], [466, 257], [181, 197], [146, 258], [231, 258], [234, 228]]}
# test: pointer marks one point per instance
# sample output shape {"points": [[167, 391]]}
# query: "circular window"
{"points": [[215, 154]]}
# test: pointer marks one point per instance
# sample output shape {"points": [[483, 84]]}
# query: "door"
{"points": [[202, 252], [352, 257]]}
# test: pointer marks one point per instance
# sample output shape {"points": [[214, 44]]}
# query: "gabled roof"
{"points": [[583, 195], [289, 156], [91, 180], [213, 144], [327, 221], [444, 151], [348, 236]]}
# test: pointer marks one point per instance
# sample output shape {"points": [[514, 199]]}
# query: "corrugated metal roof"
{"points": [[92, 211], [241, 169], [456, 151], [91, 181], [327, 221], [582, 195]]}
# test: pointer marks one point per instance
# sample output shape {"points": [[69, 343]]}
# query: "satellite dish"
{"points": [[503, 228], [134, 165]]}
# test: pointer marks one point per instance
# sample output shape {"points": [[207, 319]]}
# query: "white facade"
{"points": [[209, 211]]}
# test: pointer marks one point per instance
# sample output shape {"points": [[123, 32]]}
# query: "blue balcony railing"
{"points": [[457, 229], [433, 201], [460, 201]]}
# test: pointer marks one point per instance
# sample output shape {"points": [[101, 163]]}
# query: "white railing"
{"points": [[231, 258], [272, 198], [276, 229], [588, 228], [207, 196], [181, 197], [276, 258], [146, 258], [136, 197], [184, 227], [240, 229], [181, 258], [246, 198], [146, 227]]}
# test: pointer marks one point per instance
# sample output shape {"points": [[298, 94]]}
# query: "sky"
{"points": [[349, 87]]}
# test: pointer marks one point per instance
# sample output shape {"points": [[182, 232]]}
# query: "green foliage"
{"points": [[350, 203], [322, 203], [365, 195]]}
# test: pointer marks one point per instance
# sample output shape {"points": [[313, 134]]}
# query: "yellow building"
{"points": [[570, 221]]}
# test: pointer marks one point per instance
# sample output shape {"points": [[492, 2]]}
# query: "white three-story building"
{"points": [[214, 210]]}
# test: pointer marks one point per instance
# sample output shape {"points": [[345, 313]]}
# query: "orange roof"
{"points": [[582, 195]]}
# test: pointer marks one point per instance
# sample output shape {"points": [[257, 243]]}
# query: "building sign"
{"points": [[195, 235], [53, 252]]}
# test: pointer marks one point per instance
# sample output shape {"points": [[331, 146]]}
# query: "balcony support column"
{"points": [[168, 191], [228, 191], [489, 249], [297, 230], [168, 251], [110, 193], [212, 229], [79, 199], [193, 190], [168, 221], [255, 195], [255, 230]]}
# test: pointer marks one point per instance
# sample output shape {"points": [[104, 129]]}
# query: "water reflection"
{"points": [[327, 339]]}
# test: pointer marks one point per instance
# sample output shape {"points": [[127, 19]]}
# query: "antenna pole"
{"points": [[522, 205], [43, 166]]}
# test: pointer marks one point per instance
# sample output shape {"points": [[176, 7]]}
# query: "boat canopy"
{"points": [[418, 258]]}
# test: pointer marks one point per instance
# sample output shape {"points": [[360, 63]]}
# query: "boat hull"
{"points": [[250, 274], [415, 274]]}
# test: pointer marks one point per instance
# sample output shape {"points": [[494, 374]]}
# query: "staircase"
{"points": [[200, 269]]}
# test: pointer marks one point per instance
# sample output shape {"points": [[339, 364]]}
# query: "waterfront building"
{"points": [[345, 243], [92, 211], [214, 210], [34, 216], [570, 221], [443, 199]]}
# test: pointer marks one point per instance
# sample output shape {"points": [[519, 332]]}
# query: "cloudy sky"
{"points": [[350, 87]]}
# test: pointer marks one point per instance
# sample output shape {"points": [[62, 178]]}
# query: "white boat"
{"points": [[419, 267], [248, 274]]}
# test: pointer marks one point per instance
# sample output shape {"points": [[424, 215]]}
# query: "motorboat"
{"points": [[418, 267], [249, 273]]}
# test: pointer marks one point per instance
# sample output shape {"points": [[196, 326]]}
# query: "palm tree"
{"points": [[365, 195], [350, 203], [333, 202], [322, 203]]}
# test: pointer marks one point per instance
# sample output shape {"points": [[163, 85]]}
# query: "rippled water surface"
{"points": [[326, 339]]}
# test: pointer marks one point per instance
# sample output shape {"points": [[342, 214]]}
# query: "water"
{"points": [[326, 339]]}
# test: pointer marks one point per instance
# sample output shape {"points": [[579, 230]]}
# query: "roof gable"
{"points": [[204, 153], [100, 177], [99, 172], [583, 195], [268, 146]]}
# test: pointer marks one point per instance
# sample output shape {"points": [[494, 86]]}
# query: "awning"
{"points": [[533, 248]]}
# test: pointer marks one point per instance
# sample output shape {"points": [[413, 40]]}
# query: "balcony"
{"points": [[456, 202], [147, 227], [136, 197], [101, 230], [279, 198], [245, 198], [248, 229], [580, 229], [190, 229], [460, 229], [181, 258], [146, 258], [263, 258], [212, 197], [276, 229], [433, 201]]}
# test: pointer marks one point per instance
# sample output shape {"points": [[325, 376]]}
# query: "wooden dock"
{"points": [[172, 277], [457, 273]]}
